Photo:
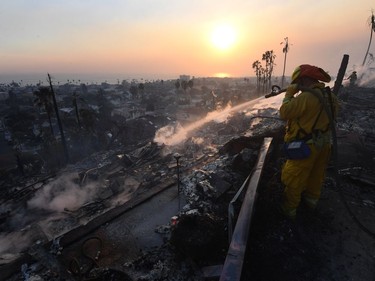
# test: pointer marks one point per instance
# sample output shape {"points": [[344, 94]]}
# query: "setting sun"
{"points": [[223, 37]]}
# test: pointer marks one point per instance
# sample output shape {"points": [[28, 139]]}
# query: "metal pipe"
{"points": [[231, 208]]}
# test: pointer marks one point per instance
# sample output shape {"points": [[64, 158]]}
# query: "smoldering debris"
{"points": [[63, 193], [200, 236], [196, 227], [12, 244], [171, 134]]}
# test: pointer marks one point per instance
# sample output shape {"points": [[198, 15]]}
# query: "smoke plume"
{"points": [[63, 193]]}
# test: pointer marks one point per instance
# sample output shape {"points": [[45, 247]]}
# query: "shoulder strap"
{"points": [[322, 100], [323, 107], [329, 93]]}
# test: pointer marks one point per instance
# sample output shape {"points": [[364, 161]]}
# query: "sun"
{"points": [[223, 37]]}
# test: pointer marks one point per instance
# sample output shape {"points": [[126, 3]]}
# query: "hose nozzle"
{"points": [[275, 90]]}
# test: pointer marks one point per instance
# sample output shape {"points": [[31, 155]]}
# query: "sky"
{"points": [[168, 38]]}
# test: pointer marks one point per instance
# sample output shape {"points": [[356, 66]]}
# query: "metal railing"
{"points": [[232, 267]]}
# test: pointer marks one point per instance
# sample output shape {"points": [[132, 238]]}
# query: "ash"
{"points": [[216, 157]]}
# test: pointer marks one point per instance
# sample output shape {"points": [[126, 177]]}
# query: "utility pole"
{"points": [[285, 51], [66, 155], [372, 29]]}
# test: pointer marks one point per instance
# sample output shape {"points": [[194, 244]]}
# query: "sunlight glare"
{"points": [[222, 75], [223, 37]]}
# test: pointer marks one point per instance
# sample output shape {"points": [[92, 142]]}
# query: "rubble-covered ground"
{"points": [[335, 243], [338, 241]]}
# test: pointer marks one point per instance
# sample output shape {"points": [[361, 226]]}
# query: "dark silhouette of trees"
{"points": [[141, 89], [134, 91], [105, 107], [257, 66], [184, 85], [88, 117], [177, 84], [269, 58], [44, 100], [12, 101], [191, 83], [260, 74], [263, 79], [84, 88], [75, 105], [264, 74], [63, 142], [20, 125]]}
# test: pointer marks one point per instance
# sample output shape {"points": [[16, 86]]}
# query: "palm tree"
{"points": [[269, 58], [141, 88], [372, 29], [58, 120], [191, 83], [257, 66], [177, 84], [75, 104], [44, 99], [285, 51]]}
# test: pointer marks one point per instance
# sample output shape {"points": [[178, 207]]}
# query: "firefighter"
{"points": [[352, 79], [307, 120]]}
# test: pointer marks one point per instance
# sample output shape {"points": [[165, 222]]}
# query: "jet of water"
{"points": [[171, 135]]}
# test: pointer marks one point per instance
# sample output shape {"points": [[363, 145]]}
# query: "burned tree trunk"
{"points": [[341, 74]]}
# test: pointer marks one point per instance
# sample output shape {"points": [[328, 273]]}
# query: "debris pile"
{"points": [[214, 163], [338, 241]]}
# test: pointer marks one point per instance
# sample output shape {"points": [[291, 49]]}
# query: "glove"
{"points": [[291, 91]]}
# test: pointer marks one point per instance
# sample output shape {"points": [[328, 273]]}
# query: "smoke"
{"points": [[197, 140], [130, 186], [366, 76], [63, 193], [14, 242], [170, 135]]}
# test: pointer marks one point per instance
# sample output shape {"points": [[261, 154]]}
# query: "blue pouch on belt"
{"points": [[297, 150]]}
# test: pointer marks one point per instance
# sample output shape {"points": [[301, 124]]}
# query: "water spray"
{"points": [[174, 135]]}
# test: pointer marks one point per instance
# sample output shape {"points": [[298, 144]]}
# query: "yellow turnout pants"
{"points": [[304, 176]]}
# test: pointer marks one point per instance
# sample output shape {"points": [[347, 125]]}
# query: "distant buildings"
{"points": [[184, 77]]}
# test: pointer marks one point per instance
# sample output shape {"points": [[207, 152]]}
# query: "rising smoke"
{"points": [[366, 76], [63, 193], [54, 198], [12, 243]]}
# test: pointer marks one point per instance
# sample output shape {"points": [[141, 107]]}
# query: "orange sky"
{"points": [[168, 37]]}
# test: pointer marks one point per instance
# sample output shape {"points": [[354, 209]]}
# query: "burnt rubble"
{"points": [[214, 163], [98, 184], [337, 242]]}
